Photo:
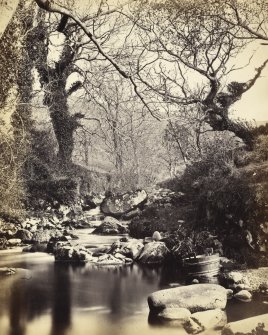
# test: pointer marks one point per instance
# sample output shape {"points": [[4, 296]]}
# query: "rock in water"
{"points": [[110, 226], [132, 248], [25, 235], [196, 298], [14, 241], [230, 293], [192, 327], [154, 253], [117, 205], [42, 236], [243, 295], [109, 260], [68, 253], [156, 236], [182, 314], [212, 319], [255, 325]]}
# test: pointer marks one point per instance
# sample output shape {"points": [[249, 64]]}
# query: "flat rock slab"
{"points": [[196, 298], [255, 325]]}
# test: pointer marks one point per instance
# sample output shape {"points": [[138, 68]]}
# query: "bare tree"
{"points": [[187, 56], [77, 50], [249, 17], [119, 118]]}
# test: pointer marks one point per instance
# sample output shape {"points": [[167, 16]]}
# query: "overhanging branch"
{"points": [[51, 6]]}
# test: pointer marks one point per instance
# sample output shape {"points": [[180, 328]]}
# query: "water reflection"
{"points": [[61, 311], [17, 310], [62, 299]]}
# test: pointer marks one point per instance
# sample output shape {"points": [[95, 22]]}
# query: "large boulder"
{"points": [[254, 325], [117, 205], [196, 298], [110, 226], [154, 253]]}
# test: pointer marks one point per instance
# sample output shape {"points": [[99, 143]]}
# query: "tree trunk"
{"points": [[53, 81], [222, 123], [64, 124]]}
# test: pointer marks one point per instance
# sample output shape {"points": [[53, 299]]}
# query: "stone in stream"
{"points": [[196, 298], [110, 226], [7, 271], [132, 248], [176, 313], [14, 241], [64, 252], [234, 278], [156, 236], [117, 205], [254, 325], [43, 236], [20, 273], [154, 253], [192, 327], [108, 259], [25, 235], [230, 293], [243, 295], [212, 319]]}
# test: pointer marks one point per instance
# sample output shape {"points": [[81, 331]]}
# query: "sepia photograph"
{"points": [[133, 167]]}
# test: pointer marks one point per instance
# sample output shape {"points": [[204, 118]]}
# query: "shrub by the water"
{"points": [[228, 202]]}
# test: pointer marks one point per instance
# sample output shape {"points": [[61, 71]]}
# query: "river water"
{"points": [[47, 298]]}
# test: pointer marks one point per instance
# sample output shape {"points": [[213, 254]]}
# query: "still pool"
{"points": [[63, 299]]}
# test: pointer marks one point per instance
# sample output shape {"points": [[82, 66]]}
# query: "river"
{"points": [[48, 298]]}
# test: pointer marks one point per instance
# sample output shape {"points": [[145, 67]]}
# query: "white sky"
{"points": [[254, 103]]}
